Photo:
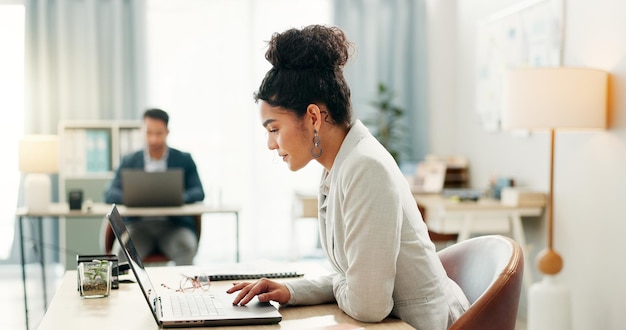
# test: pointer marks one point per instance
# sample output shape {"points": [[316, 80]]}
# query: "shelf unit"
{"points": [[95, 148], [456, 177], [91, 151], [456, 171]]}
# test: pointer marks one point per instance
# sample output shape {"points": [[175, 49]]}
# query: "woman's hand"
{"points": [[265, 289]]}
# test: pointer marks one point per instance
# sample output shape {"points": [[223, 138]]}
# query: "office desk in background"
{"points": [[126, 307], [485, 216], [98, 211]]}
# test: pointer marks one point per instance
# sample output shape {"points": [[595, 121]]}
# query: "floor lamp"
{"points": [[38, 157], [550, 99]]}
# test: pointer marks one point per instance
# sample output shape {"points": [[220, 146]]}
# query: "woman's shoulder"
{"points": [[368, 152], [368, 161]]}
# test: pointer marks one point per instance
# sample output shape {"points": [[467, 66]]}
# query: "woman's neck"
{"points": [[333, 137]]}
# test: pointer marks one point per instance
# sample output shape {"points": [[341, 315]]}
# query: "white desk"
{"points": [[126, 307], [100, 210], [485, 216]]}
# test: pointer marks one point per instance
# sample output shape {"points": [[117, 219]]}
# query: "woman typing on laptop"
{"points": [[370, 226], [176, 237]]}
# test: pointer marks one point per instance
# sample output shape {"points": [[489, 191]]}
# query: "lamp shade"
{"points": [[38, 154], [551, 98]]}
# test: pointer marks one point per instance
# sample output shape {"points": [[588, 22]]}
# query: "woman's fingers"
{"points": [[266, 290], [243, 289], [252, 290], [237, 286]]}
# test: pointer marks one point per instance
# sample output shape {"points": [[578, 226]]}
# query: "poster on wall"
{"points": [[528, 34]]}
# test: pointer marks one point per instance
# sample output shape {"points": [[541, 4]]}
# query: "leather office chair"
{"points": [[108, 237], [489, 270]]}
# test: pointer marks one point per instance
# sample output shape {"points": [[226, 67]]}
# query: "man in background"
{"points": [[175, 237]]}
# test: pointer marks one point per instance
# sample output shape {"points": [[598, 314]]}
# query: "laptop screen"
{"points": [[123, 237], [152, 189], [220, 312]]}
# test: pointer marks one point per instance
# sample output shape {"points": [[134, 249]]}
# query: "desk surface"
{"points": [[126, 308], [101, 209], [435, 201], [448, 216]]}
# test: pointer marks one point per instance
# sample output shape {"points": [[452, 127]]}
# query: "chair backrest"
{"points": [[107, 238], [489, 269]]}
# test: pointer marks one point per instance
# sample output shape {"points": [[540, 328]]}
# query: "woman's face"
{"points": [[287, 135]]}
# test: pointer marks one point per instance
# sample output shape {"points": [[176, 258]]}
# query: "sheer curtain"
{"points": [[204, 61], [12, 96], [390, 36], [83, 61]]}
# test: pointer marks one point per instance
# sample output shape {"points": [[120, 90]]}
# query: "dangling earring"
{"points": [[316, 150]]}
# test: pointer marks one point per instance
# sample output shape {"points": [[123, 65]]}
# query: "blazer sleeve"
{"points": [[311, 291], [194, 191], [372, 219]]}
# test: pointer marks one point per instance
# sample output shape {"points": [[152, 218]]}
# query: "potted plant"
{"points": [[94, 278], [386, 124]]}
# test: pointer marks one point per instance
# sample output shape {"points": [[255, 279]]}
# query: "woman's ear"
{"points": [[314, 115]]}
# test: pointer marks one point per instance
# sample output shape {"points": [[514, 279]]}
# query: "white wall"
{"points": [[590, 187], [442, 66]]}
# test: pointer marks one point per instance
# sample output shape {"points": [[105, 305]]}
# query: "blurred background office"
{"points": [[202, 60], [160, 61]]}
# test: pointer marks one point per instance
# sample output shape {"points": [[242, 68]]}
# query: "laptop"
{"points": [[152, 189], [161, 305]]}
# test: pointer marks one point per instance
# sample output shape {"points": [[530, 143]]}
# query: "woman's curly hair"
{"points": [[307, 67]]}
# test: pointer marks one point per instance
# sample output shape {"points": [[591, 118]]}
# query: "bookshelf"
{"points": [[95, 148], [91, 151]]}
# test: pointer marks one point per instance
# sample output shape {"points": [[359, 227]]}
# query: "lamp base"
{"points": [[549, 306], [37, 192]]}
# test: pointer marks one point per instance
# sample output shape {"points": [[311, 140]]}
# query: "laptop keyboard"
{"points": [[195, 305]]}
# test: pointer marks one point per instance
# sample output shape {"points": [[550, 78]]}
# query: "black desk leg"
{"points": [[43, 265], [19, 220]]}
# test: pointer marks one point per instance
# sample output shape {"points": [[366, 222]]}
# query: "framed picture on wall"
{"points": [[528, 34]]}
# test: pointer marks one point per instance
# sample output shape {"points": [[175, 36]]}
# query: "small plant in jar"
{"points": [[95, 278]]}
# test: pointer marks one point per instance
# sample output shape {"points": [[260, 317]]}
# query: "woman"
{"points": [[370, 227]]}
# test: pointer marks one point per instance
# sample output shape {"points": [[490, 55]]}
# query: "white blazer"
{"points": [[375, 238]]}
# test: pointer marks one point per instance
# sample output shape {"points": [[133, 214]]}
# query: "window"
{"points": [[204, 61], [12, 96]]}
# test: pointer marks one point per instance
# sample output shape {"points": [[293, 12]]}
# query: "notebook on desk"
{"points": [[161, 305], [152, 189]]}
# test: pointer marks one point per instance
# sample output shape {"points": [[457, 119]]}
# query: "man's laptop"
{"points": [[152, 189], [161, 305]]}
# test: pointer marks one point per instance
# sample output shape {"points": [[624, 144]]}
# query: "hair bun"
{"points": [[312, 47]]}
